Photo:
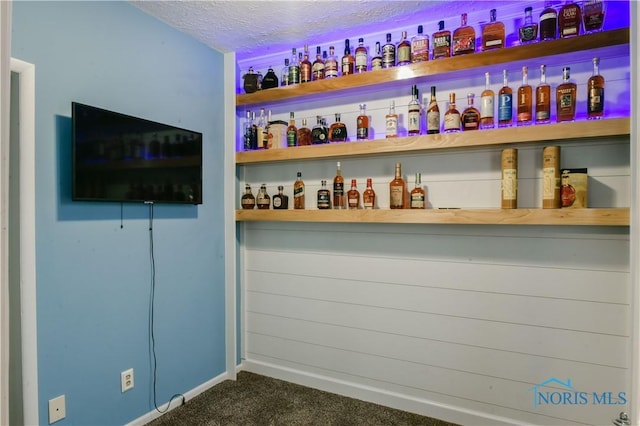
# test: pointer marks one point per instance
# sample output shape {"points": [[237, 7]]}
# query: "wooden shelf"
{"points": [[440, 66], [469, 139], [569, 217]]}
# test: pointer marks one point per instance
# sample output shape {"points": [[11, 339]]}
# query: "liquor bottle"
{"points": [[464, 38], [595, 93], [270, 79], [338, 189], [353, 196], [388, 53], [397, 190], [362, 57], [414, 112], [305, 66], [593, 15], [292, 132], [338, 130], [566, 98], [248, 201], [304, 134], [433, 114], [569, 19], [324, 196], [505, 102], [391, 121], [318, 134], [294, 68], [376, 60], [368, 196], [470, 118], [298, 192], [493, 33], [247, 135], [524, 107], [254, 131], [452, 116], [263, 200], [403, 50], [528, 32], [551, 196], [487, 107], [419, 47], [261, 129], [548, 22], [331, 64], [509, 178], [284, 78], [418, 194], [543, 98], [317, 68], [441, 42], [280, 201], [348, 61], [362, 122]]}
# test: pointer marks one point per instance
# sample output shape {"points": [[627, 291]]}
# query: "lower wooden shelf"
{"points": [[581, 217]]}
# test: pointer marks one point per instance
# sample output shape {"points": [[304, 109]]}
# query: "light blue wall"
{"points": [[93, 277]]}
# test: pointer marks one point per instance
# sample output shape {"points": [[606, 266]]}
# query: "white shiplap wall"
{"points": [[456, 322]]}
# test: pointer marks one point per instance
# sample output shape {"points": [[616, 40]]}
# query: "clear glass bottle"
{"points": [[247, 136], [362, 57], [261, 130], [391, 121], [505, 102], [397, 189], [338, 130], [566, 98], [470, 118], [338, 189], [294, 68], [324, 196], [464, 38], [403, 50], [487, 104], [376, 60], [388, 53], [441, 42], [248, 201], [419, 46], [543, 98], [292, 131], [595, 93], [304, 134], [305, 66], [548, 22], [317, 68], [368, 196], [331, 64], [263, 200], [348, 61], [433, 114], [569, 19], [254, 132], [452, 116], [362, 123], [298, 192], [414, 113], [524, 107], [284, 77], [280, 201], [528, 32], [353, 196], [493, 33], [418, 194]]}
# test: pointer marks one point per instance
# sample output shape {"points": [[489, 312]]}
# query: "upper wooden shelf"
{"points": [[440, 66], [468, 139]]}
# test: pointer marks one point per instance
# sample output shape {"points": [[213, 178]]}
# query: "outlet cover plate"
{"points": [[57, 409], [126, 380]]}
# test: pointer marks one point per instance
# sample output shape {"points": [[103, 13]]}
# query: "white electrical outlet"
{"points": [[57, 409], [126, 380]]}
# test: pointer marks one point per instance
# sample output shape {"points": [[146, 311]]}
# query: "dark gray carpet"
{"points": [[258, 400]]}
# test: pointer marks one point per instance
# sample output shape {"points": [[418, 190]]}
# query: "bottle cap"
{"points": [[441, 25], [528, 9], [360, 40], [420, 29], [280, 187]]}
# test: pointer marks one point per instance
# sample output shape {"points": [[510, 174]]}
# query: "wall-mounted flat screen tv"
{"points": [[120, 158]]}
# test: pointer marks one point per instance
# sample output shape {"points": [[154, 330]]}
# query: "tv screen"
{"points": [[120, 158]]}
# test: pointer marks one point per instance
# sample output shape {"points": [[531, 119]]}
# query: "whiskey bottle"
{"points": [[284, 78], [509, 178], [525, 100], [263, 200], [338, 189], [368, 196], [595, 93], [304, 134], [551, 197], [298, 192], [593, 15], [403, 50], [254, 132], [391, 121], [528, 32], [317, 68], [305, 66], [569, 20], [270, 79], [470, 118], [261, 129], [248, 124], [376, 60], [441, 42], [388, 53], [362, 122], [433, 114], [319, 133], [294, 68], [487, 107], [292, 132], [419, 46], [362, 57], [397, 190], [493, 33], [348, 61], [505, 102], [464, 38], [543, 98], [452, 116], [324, 197], [338, 131], [280, 201], [353, 196], [548, 22], [248, 201], [566, 98], [414, 112], [331, 64], [418, 194]]}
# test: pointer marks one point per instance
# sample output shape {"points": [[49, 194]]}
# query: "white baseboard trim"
{"points": [[396, 400]]}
